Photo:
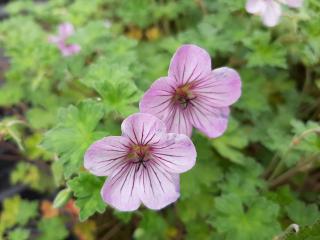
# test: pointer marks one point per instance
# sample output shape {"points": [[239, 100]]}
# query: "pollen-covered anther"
{"points": [[183, 96], [139, 154]]}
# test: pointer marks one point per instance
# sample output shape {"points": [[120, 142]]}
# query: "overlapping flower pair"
{"points": [[143, 165]]}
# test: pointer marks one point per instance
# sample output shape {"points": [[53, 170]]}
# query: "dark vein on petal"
{"points": [[155, 173], [125, 180], [120, 173], [193, 71], [134, 133], [163, 172], [134, 179], [112, 159], [151, 186], [143, 140], [150, 139]]}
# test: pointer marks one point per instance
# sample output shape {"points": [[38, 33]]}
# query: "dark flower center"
{"points": [[183, 96], [139, 154]]}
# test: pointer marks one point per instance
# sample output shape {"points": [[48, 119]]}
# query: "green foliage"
{"points": [[263, 52], [243, 222], [19, 234], [53, 107], [151, 227], [244, 182], [114, 84], [74, 133], [62, 197], [11, 129], [303, 214], [230, 144], [29, 174], [86, 188], [306, 233], [52, 229], [17, 212]]}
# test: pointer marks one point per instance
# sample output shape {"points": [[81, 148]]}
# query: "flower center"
{"points": [[183, 96], [139, 154]]}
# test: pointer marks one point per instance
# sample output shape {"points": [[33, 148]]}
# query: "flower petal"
{"points": [[220, 89], [54, 39], [68, 50], [293, 3], [158, 98], [209, 120], [272, 14], [189, 63], [176, 153], [106, 155], [121, 190], [66, 30], [143, 128], [158, 102], [256, 6], [158, 188], [178, 122]]}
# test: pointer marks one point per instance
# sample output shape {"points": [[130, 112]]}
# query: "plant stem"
{"points": [[291, 172], [202, 6], [280, 164], [295, 141], [271, 165]]}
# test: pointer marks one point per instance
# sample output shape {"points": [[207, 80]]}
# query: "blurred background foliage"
{"points": [[253, 182]]}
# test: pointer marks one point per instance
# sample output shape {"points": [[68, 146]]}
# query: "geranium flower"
{"points": [[192, 95], [143, 164], [65, 31], [270, 10]]}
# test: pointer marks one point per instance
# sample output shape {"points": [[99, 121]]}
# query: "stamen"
{"points": [[183, 96], [140, 154]]}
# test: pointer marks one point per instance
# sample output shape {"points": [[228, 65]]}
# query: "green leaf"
{"points": [[30, 175], [86, 189], [151, 227], [125, 217], [10, 94], [305, 233], [62, 198], [113, 81], [137, 11], [245, 222], [264, 52], [33, 148], [283, 196], [52, 229], [41, 118], [198, 229], [244, 182], [231, 143], [306, 136], [303, 214], [17, 211], [10, 128], [19, 234], [74, 133], [204, 174], [253, 101], [28, 210], [187, 210]]}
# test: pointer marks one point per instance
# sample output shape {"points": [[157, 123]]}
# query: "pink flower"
{"points": [[192, 95], [143, 164], [65, 31], [270, 10]]}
